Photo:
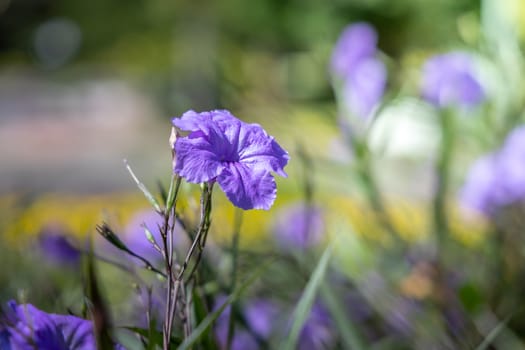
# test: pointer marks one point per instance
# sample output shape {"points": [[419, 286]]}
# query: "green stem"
{"points": [[441, 225], [367, 176], [176, 281]]}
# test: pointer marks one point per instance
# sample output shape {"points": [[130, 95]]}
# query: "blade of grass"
{"points": [[351, 339], [494, 333], [96, 303], [201, 312], [302, 310], [143, 188]]}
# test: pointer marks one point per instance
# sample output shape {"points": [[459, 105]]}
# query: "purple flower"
{"points": [[480, 191], [450, 79], [261, 317], [58, 248], [357, 43], [26, 327], [239, 156], [364, 89], [498, 179], [4, 339], [243, 340], [355, 64], [299, 226]]}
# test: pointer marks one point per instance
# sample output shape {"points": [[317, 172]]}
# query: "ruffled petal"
{"points": [[76, 331], [247, 188], [240, 156], [193, 121], [231, 129], [260, 151], [29, 328], [196, 159]]}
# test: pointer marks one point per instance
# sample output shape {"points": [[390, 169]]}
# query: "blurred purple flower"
{"points": [[480, 191], [56, 246], [239, 156], [317, 332], [450, 79], [498, 179], [261, 316], [364, 89], [355, 63], [357, 43], [26, 327], [243, 340], [299, 226]]}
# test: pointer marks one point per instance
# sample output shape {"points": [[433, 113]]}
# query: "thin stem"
{"points": [[105, 231], [367, 177], [199, 239], [176, 283], [441, 225], [307, 168], [111, 262], [173, 300], [167, 233], [186, 317]]}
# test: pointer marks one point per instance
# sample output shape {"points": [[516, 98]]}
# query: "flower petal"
{"points": [[451, 79], [192, 121], [247, 188], [357, 42], [196, 159], [260, 151], [77, 332], [364, 89]]}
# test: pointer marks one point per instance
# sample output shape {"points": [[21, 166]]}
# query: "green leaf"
{"points": [[304, 306], [96, 303], [470, 297], [173, 192], [149, 235], [200, 314], [144, 190]]}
